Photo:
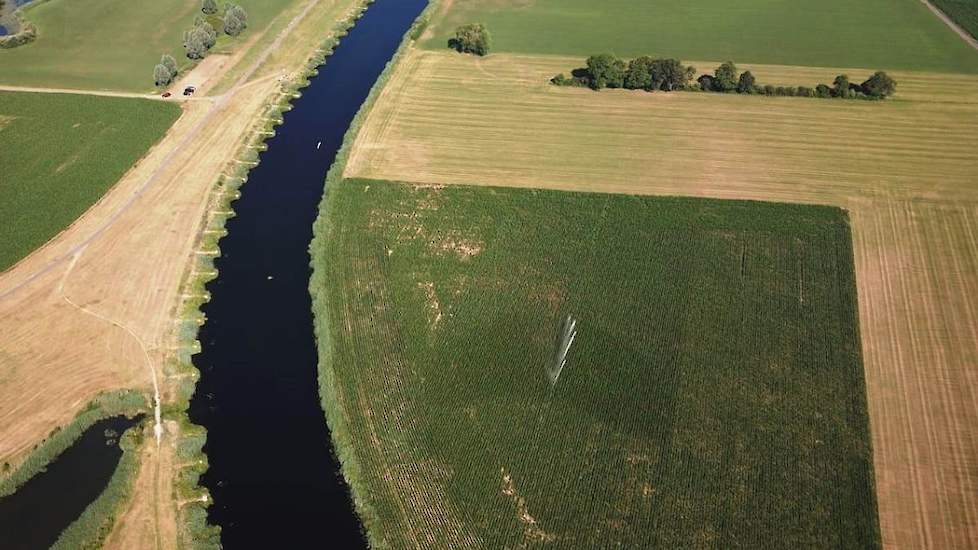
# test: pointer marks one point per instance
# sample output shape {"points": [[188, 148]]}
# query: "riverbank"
{"points": [[331, 400], [195, 499]]}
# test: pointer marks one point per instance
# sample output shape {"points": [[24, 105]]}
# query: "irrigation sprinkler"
{"points": [[565, 338]]}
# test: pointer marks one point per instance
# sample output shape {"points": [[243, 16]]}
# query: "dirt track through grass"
{"points": [[904, 168]]}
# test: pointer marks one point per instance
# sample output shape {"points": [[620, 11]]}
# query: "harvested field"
{"points": [[713, 395], [904, 168], [873, 34]]}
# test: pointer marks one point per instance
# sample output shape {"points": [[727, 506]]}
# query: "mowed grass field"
{"points": [[904, 168], [876, 34], [713, 396], [60, 153], [111, 44]]}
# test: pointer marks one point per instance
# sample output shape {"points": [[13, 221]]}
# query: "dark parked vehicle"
{"points": [[189, 90], [167, 94]]}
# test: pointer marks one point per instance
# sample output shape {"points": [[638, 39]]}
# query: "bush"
{"points": [[209, 7], [879, 86], [803, 91], [823, 90], [747, 83], [770, 90], [725, 77], [605, 70], [473, 38], [27, 34]]}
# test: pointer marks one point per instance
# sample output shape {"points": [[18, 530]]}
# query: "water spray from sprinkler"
{"points": [[565, 339]]}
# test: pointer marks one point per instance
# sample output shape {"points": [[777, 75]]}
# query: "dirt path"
{"points": [[950, 23]]}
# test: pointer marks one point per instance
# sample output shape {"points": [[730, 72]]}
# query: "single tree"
{"points": [[472, 38], [235, 19], [725, 77], [879, 86], [840, 86], [161, 75], [210, 35], [195, 43], [209, 7], [170, 63], [605, 70], [747, 83], [670, 74], [639, 74]]}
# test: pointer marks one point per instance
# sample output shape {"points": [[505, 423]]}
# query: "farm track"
{"points": [[903, 168], [965, 35]]}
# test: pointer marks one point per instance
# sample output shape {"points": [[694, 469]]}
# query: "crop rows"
{"points": [[713, 397], [60, 153]]}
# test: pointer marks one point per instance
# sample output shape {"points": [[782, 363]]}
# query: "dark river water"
{"points": [[34, 516], [273, 475]]}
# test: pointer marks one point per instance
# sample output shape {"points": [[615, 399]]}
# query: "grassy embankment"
{"points": [[874, 34], [714, 393], [194, 531], [107, 44], [963, 12], [60, 153]]}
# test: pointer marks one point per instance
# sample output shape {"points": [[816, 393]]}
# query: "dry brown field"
{"points": [[903, 168], [95, 308]]}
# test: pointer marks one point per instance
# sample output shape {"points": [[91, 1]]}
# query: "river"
{"points": [[273, 475]]}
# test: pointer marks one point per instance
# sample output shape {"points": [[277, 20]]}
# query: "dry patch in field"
{"points": [[904, 168]]}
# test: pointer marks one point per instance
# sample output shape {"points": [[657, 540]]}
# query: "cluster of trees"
{"points": [[165, 71], [201, 38], [642, 73], [650, 74], [473, 38], [726, 80]]}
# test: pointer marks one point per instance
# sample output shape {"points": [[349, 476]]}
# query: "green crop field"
{"points": [[59, 153], [964, 13], [876, 34], [713, 396], [108, 44]]}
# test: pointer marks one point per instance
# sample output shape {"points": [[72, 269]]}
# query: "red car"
{"points": [[166, 94]]}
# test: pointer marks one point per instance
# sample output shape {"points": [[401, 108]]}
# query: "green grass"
{"points": [[963, 12], [60, 153], [109, 44], [873, 34], [713, 397]]}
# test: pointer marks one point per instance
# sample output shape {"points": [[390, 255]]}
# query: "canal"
{"points": [[273, 475]]}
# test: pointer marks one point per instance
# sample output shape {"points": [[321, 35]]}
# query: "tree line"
{"points": [[199, 39], [655, 74]]}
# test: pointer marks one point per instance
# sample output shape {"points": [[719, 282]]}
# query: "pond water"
{"points": [[273, 474], [42, 508]]}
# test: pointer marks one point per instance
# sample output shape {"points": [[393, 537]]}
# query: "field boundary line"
{"points": [[951, 24]]}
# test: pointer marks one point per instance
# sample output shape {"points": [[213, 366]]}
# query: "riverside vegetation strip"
{"points": [[444, 304], [60, 153]]}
